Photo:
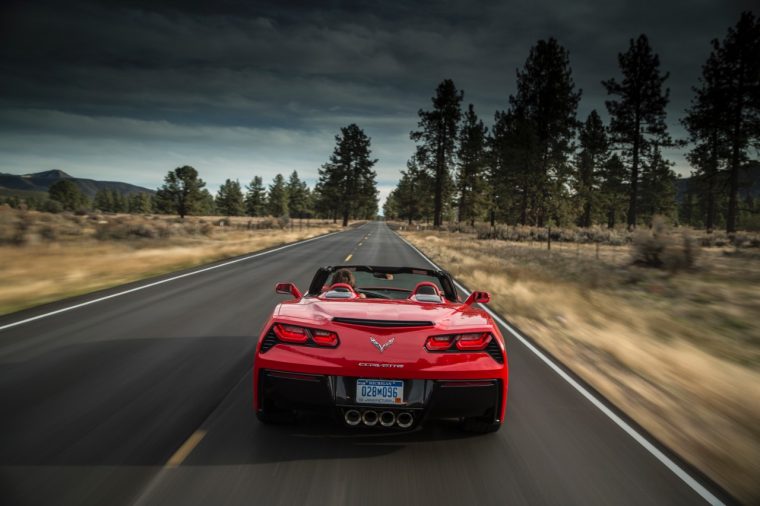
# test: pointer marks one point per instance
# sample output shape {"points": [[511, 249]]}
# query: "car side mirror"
{"points": [[288, 288], [478, 298]]}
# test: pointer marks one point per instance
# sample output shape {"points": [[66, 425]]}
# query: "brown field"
{"points": [[46, 257], [679, 351]]}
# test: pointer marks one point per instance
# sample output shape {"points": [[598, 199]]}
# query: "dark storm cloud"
{"points": [[233, 82]]}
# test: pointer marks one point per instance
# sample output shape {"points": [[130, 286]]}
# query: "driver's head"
{"points": [[344, 276]]}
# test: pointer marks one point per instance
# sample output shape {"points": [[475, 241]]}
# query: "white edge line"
{"points": [[160, 282], [664, 459]]}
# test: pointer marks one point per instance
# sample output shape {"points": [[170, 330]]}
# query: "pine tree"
{"points": [[298, 196], [658, 185], [593, 153], [706, 123], [471, 167], [277, 199], [638, 114], [614, 189], [347, 184], [68, 194], [437, 139], [255, 198], [229, 199], [182, 192], [103, 201], [546, 102], [739, 67]]}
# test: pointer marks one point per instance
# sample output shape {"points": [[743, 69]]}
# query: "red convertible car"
{"points": [[383, 347]]}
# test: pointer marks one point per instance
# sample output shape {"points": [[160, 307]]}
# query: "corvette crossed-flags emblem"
{"points": [[379, 346]]}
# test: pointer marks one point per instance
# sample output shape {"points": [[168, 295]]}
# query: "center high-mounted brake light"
{"points": [[459, 342], [293, 334]]}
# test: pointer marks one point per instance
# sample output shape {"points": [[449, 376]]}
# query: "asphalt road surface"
{"points": [[145, 397]]}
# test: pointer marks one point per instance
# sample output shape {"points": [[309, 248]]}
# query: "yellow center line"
{"points": [[186, 449], [348, 258]]}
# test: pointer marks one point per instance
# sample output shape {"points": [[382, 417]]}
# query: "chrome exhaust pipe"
{"points": [[405, 420], [387, 418], [369, 418], [352, 417]]}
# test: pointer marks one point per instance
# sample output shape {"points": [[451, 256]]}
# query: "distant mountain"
{"points": [[749, 182], [42, 181]]}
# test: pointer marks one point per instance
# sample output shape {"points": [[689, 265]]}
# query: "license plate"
{"points": [[370, 391]]}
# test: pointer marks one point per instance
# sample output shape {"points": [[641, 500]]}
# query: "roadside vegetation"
{"points": [[49, 256], [662, 322]]}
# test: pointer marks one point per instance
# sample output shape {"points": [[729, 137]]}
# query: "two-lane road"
{"points": [[146, 397]]}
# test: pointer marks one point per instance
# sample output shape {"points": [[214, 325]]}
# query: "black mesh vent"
{"points": [[269, 341], [383, 323], [494, 350]]}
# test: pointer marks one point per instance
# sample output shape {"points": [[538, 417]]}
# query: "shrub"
{"points": [[662, 248]]}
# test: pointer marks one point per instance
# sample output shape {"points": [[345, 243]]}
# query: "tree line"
{"points": [[346, 189], [539, 164]]}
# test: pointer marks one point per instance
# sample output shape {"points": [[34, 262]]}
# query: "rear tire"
{"points": [[480, 425]]}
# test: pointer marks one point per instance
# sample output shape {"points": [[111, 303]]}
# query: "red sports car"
{"points": [[385, 347]]}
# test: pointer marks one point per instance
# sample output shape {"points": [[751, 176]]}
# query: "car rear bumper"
{"points": [[423, 398]]}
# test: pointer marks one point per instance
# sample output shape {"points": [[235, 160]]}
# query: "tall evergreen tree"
{"points": [[229, 199], [546, 101], [593, 153], [103, 201], [140, 203], [347, 184], [658, 185], [614, 189], [255, 198], [739, 63], [706, 123], [181, 192], [277, 199], [638, 112], [68, 194], [298, 196], [471, 167], [436, 142]]}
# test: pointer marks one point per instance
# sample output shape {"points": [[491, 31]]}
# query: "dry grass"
{"points": [[47, 257], [680, 353]]}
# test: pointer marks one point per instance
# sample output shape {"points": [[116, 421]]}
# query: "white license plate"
{"points": [[370, 391]]}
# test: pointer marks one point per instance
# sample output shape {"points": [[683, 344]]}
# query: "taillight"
{"points": [[291, 334], [294, 334], [324, 338], [473, 342], [439, 343], [460, 342]]}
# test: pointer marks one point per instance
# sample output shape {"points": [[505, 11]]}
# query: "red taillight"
{"points": [[324, 338], [473, 342], [462, 342], [291, 334], [439, 343]]}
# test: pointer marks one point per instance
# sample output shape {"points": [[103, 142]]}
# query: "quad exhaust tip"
{"points": [[369, 418], [387, 418], [352, 417], [405, 420]]}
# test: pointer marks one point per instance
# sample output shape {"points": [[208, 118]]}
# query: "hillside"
{"points": [[749, 182], [42, 181]]}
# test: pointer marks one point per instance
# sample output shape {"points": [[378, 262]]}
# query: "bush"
{"points": [[662, 248]]}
